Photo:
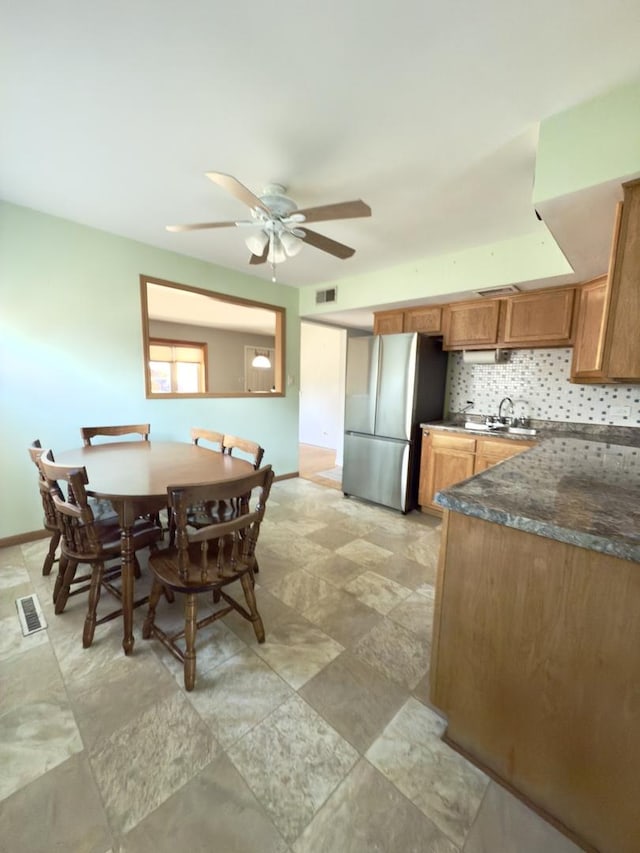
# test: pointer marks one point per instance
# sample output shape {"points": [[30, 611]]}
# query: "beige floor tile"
{"points": [[300, 590], [297, 650], [336, 570], [367, 813], [365, 553], [292, 761], [37, 727], [143, 763], [60, 810], [396, 652], [445, 787], [104, 702], [504, 824], [214, 811], [237, 695], [342, 616], [355, 699], [376, 591], [414, 613]]}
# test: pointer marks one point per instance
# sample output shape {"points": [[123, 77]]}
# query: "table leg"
{"points": [[128, 568]]}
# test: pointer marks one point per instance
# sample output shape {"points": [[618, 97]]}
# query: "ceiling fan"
{"points": [[281, 225]]}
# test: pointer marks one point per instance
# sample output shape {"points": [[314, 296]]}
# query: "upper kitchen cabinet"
{"points": [[607, 345], [471, 324], [542, 318], [427, 319], [388, 322], [586, 365]]}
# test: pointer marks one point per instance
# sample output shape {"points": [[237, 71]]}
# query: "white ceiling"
{"points": [[111, 114]]}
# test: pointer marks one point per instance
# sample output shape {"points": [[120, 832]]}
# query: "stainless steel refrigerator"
{"points": [[393, 384]]}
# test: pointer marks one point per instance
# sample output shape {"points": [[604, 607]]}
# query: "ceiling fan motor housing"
{"points": [[278, 203]]}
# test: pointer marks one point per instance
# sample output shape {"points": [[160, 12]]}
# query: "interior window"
{"points": [[177, 367]]}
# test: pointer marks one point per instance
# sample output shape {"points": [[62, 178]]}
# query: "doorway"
{"points": [[322, 372]]}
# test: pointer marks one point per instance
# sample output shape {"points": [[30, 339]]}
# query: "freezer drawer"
{"points": [[377, 470]]}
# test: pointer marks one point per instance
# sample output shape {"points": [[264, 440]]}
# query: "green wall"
{"points": [[595, 142], [71, 350], [525, 258]]}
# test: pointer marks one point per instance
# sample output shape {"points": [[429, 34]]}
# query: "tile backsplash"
{"points": [[537, 380]]}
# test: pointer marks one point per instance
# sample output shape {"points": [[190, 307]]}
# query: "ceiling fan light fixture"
{"points": [[277, 254], [256, 242], [290, 243]]}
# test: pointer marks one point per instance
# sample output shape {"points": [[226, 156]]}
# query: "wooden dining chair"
{"points": [[208, 435], [86, 541], [50, 520], [90, 432], [250, 450], [209, 560]]}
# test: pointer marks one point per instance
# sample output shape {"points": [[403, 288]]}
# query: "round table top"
{"points": [[143, 469]]}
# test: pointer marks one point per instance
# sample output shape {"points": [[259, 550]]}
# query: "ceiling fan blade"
{"points": [[197, 225], [339, 250], [260, 259], [340, 210], [235, 188]]}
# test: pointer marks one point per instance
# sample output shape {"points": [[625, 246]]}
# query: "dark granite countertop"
{"points": [[549, 429], [579, 491]]}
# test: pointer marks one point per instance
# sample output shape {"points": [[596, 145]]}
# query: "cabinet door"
{"points": [[447, 459], [542, 318], [621, 357], [388, 322], [469, 324], [427, 320], [490, 451], [586, 364]]}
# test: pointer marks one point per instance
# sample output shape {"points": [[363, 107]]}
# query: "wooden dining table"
{"points": [[134, 476]]}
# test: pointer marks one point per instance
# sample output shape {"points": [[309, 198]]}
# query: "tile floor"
{"points": [[319, 741]]}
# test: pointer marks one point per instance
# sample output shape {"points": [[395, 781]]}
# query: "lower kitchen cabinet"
{"points": [[449, 457], [490, 451], [446, 458]]}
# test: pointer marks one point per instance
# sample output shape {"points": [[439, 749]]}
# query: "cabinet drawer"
{"points": [[453, 442]]}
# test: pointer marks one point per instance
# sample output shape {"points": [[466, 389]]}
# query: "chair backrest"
{"points": [[50, 518], [250, 449], [90, 432], [66, 485], [236, 536], [198, 434]]}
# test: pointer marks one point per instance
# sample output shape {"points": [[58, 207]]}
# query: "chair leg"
{"points": [[137, 571], [66, 574], [154, 597], [94, 598], [190, 629], [250, 596], [50, 559]]}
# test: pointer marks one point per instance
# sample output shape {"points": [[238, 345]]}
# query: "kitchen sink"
{"points": [[501, 428], [514, 430]]}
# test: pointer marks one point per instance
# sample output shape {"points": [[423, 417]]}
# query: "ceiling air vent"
{"points": [[330, 295], [498, 291]]}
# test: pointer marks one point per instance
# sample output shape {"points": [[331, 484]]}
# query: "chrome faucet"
{"points": [[501, 417]]}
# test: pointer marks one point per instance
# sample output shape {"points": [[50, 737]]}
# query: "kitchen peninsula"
{"points": [[536, 644]]}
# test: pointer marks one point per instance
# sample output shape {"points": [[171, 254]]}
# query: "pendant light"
{"points": [[261, 361]]}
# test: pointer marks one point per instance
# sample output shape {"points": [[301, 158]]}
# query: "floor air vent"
{"points": [[330, 295], [30, 614]]}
